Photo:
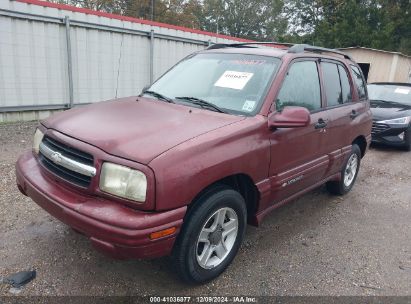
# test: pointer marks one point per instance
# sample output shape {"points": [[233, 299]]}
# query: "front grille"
{"points": [[379, 127], [71, 153]]}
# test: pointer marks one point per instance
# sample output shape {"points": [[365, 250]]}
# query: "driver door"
{"points": [[299, 155]]}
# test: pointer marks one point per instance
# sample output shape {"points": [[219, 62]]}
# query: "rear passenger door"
{"points": [[362, 104], [340, 108], [299, 155]]}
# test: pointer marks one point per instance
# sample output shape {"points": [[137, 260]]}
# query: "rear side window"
{"points": [[301, 87], [359, 81], [332, 84], [345, 85]]}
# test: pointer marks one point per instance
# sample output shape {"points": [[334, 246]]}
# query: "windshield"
{"points": [[390, 92], [235, 83]]}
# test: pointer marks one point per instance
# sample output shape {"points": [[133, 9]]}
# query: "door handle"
{"points": [[354, 114], [320, 124]]}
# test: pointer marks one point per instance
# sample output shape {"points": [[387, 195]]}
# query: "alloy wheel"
{"points": [[217, 238], [350, 170]]}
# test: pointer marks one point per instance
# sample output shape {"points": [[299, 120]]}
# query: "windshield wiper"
{"points": [[202, 103], [381, 100], [158, 96]]}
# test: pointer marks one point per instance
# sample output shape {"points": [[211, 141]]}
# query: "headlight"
{"points": [[38, 137], [397, 121], [123, 181]]}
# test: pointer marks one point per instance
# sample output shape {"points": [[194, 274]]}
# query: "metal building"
{"points": [[381, 66], [55, 56]]}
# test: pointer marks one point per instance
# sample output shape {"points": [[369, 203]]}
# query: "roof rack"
{"points": [[246, 44], [292, 48], [301, 48]]}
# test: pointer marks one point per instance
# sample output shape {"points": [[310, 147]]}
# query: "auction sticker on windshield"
{"points": [[248, 105], [233, 80]]}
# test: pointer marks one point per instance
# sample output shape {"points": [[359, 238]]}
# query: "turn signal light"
{"points": [[162, 233]]}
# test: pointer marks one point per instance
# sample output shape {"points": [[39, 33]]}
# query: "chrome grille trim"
{"points": [[68, 151], [379, 127], [63, 161]]}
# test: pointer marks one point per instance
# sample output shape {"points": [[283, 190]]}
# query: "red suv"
{"points": [[227, 135]]}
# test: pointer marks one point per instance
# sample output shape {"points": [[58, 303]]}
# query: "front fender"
{"points": [[184, 171]]}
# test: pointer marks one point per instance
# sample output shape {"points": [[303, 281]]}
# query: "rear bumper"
{"points": [[113, 229]]}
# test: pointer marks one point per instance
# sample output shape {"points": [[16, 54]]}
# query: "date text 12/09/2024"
{"points": [[203, 299]]}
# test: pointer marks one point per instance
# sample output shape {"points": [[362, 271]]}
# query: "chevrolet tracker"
{"points": [[227, 135]]}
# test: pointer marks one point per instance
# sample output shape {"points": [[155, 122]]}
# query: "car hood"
{"points": [[382, 110], [137, 128]]}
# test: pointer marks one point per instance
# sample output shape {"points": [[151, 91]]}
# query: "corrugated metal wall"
{"points": [[109, 57], [33, 63]]}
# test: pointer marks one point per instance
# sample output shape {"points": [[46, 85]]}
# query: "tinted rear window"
{"points": [[332, 85], [345, 85]]}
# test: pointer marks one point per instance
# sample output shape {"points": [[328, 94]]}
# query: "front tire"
{"points": [[211, 235], [349, 173], [407, 138]]}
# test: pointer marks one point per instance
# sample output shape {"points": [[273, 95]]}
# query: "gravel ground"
{"points": [[358, 244]]}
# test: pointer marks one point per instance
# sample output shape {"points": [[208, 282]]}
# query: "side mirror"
{"points": [[289, 117]]}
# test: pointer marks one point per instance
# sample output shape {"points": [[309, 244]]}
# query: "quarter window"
{"points": [[359, 81], [301, 87]]}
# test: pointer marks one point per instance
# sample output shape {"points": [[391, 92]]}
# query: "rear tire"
{"points": [[211, 235], [349, 173]]}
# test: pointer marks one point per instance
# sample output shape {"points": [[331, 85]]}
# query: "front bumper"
{"points": [[393, 135], [114, 229]]}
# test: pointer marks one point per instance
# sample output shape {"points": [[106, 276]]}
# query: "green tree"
{"points": [[382, 24], [396, 25], [109, 6], [252, 19]]}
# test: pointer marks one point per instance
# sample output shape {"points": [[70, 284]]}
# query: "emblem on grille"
{"points": [[66, 162], [56, 157]]}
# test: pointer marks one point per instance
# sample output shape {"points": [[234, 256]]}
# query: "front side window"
{"points": [[359, 81], [236, 83], [301, 87]]}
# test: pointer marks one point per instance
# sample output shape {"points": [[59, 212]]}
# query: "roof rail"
{"points": [[246, 44], [292, 48], [301, 48]]}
